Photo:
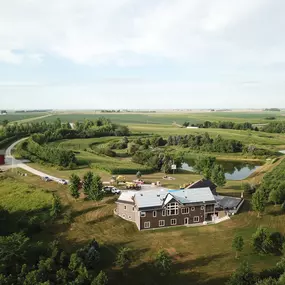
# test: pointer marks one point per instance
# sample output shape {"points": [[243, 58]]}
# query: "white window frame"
{"points": [[124, 216], [185, 211], [163, 213], [146, 223], [161, 223], [172, 209], [171, 222], [196, 219], [202, 208], [192, 209], [143, 214], [129, 217], [187, 219], [154, 214], [125, 208]]}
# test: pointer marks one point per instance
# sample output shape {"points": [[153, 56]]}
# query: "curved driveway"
{"points": [[12, 162]]}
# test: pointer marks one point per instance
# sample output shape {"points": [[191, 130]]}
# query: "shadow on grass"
{"points": [[85, 211], [99, 220], [277, 211]]}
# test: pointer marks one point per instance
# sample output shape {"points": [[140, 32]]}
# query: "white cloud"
{"points": [[9, 57], [95, 31]]}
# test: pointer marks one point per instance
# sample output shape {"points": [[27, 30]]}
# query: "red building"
{"points": [[2, 157]]}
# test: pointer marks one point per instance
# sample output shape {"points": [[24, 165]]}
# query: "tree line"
{"points": [[204, 142], [274, 127], [223, 125], [271, 189], [57, 130]]}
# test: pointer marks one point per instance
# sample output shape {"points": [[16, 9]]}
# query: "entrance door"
{"points": [[186, 221]]}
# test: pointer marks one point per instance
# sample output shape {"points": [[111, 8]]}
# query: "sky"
{"points": [[142, 54]]}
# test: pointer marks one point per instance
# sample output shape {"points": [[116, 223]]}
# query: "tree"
{"points": [[138, 175], [96, 193], [186, 124], [13, 249], [5, 123], [56, 206], [238, 244], [100, 279], [163, 263], [204, 165], [61, 276], [260, 240], [248, 189], [87, 182], [265, 242], [242, 276], [75, 262], [258, 202], [268, 281], [124, 259], [74, 185], [218, 175]]}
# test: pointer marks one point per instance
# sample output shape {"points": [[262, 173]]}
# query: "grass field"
{"points": [[202, 255], [169, 118]]}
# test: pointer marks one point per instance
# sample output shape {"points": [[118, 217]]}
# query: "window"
{"points": [[173, 222], [133, 209], [185, 211], [161, 223], [163, 213], [129, 217], [146, 225], [143, 214], [154, 214], [186, 221], [196, 219], [124, 215], [202, 208], [172, 209], [192, 208], [125, 207]]}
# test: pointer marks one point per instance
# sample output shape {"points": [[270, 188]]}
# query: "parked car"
{"points": [[111, 189], [46, 178], [62, 181]]}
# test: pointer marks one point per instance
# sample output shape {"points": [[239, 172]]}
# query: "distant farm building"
{"points": [[192, 127], [2, 157]]}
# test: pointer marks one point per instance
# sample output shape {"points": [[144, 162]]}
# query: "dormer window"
{"points": [[172, 209]]}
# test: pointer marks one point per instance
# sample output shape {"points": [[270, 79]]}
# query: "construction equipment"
{"points": [[132, 185]]}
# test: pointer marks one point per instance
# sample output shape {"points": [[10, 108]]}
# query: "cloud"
{"points": [[127, 32]]}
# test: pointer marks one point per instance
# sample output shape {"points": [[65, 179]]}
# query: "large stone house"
{"points": [[162, 208]]}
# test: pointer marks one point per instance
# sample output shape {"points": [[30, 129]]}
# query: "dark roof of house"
{"points": [[202, 184]]}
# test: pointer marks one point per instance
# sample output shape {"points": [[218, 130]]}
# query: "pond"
{"points": [[234, 170]]}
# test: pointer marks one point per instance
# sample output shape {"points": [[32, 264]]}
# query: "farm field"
{"points": [[23, 117], [170, 118], [202, 255]]}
